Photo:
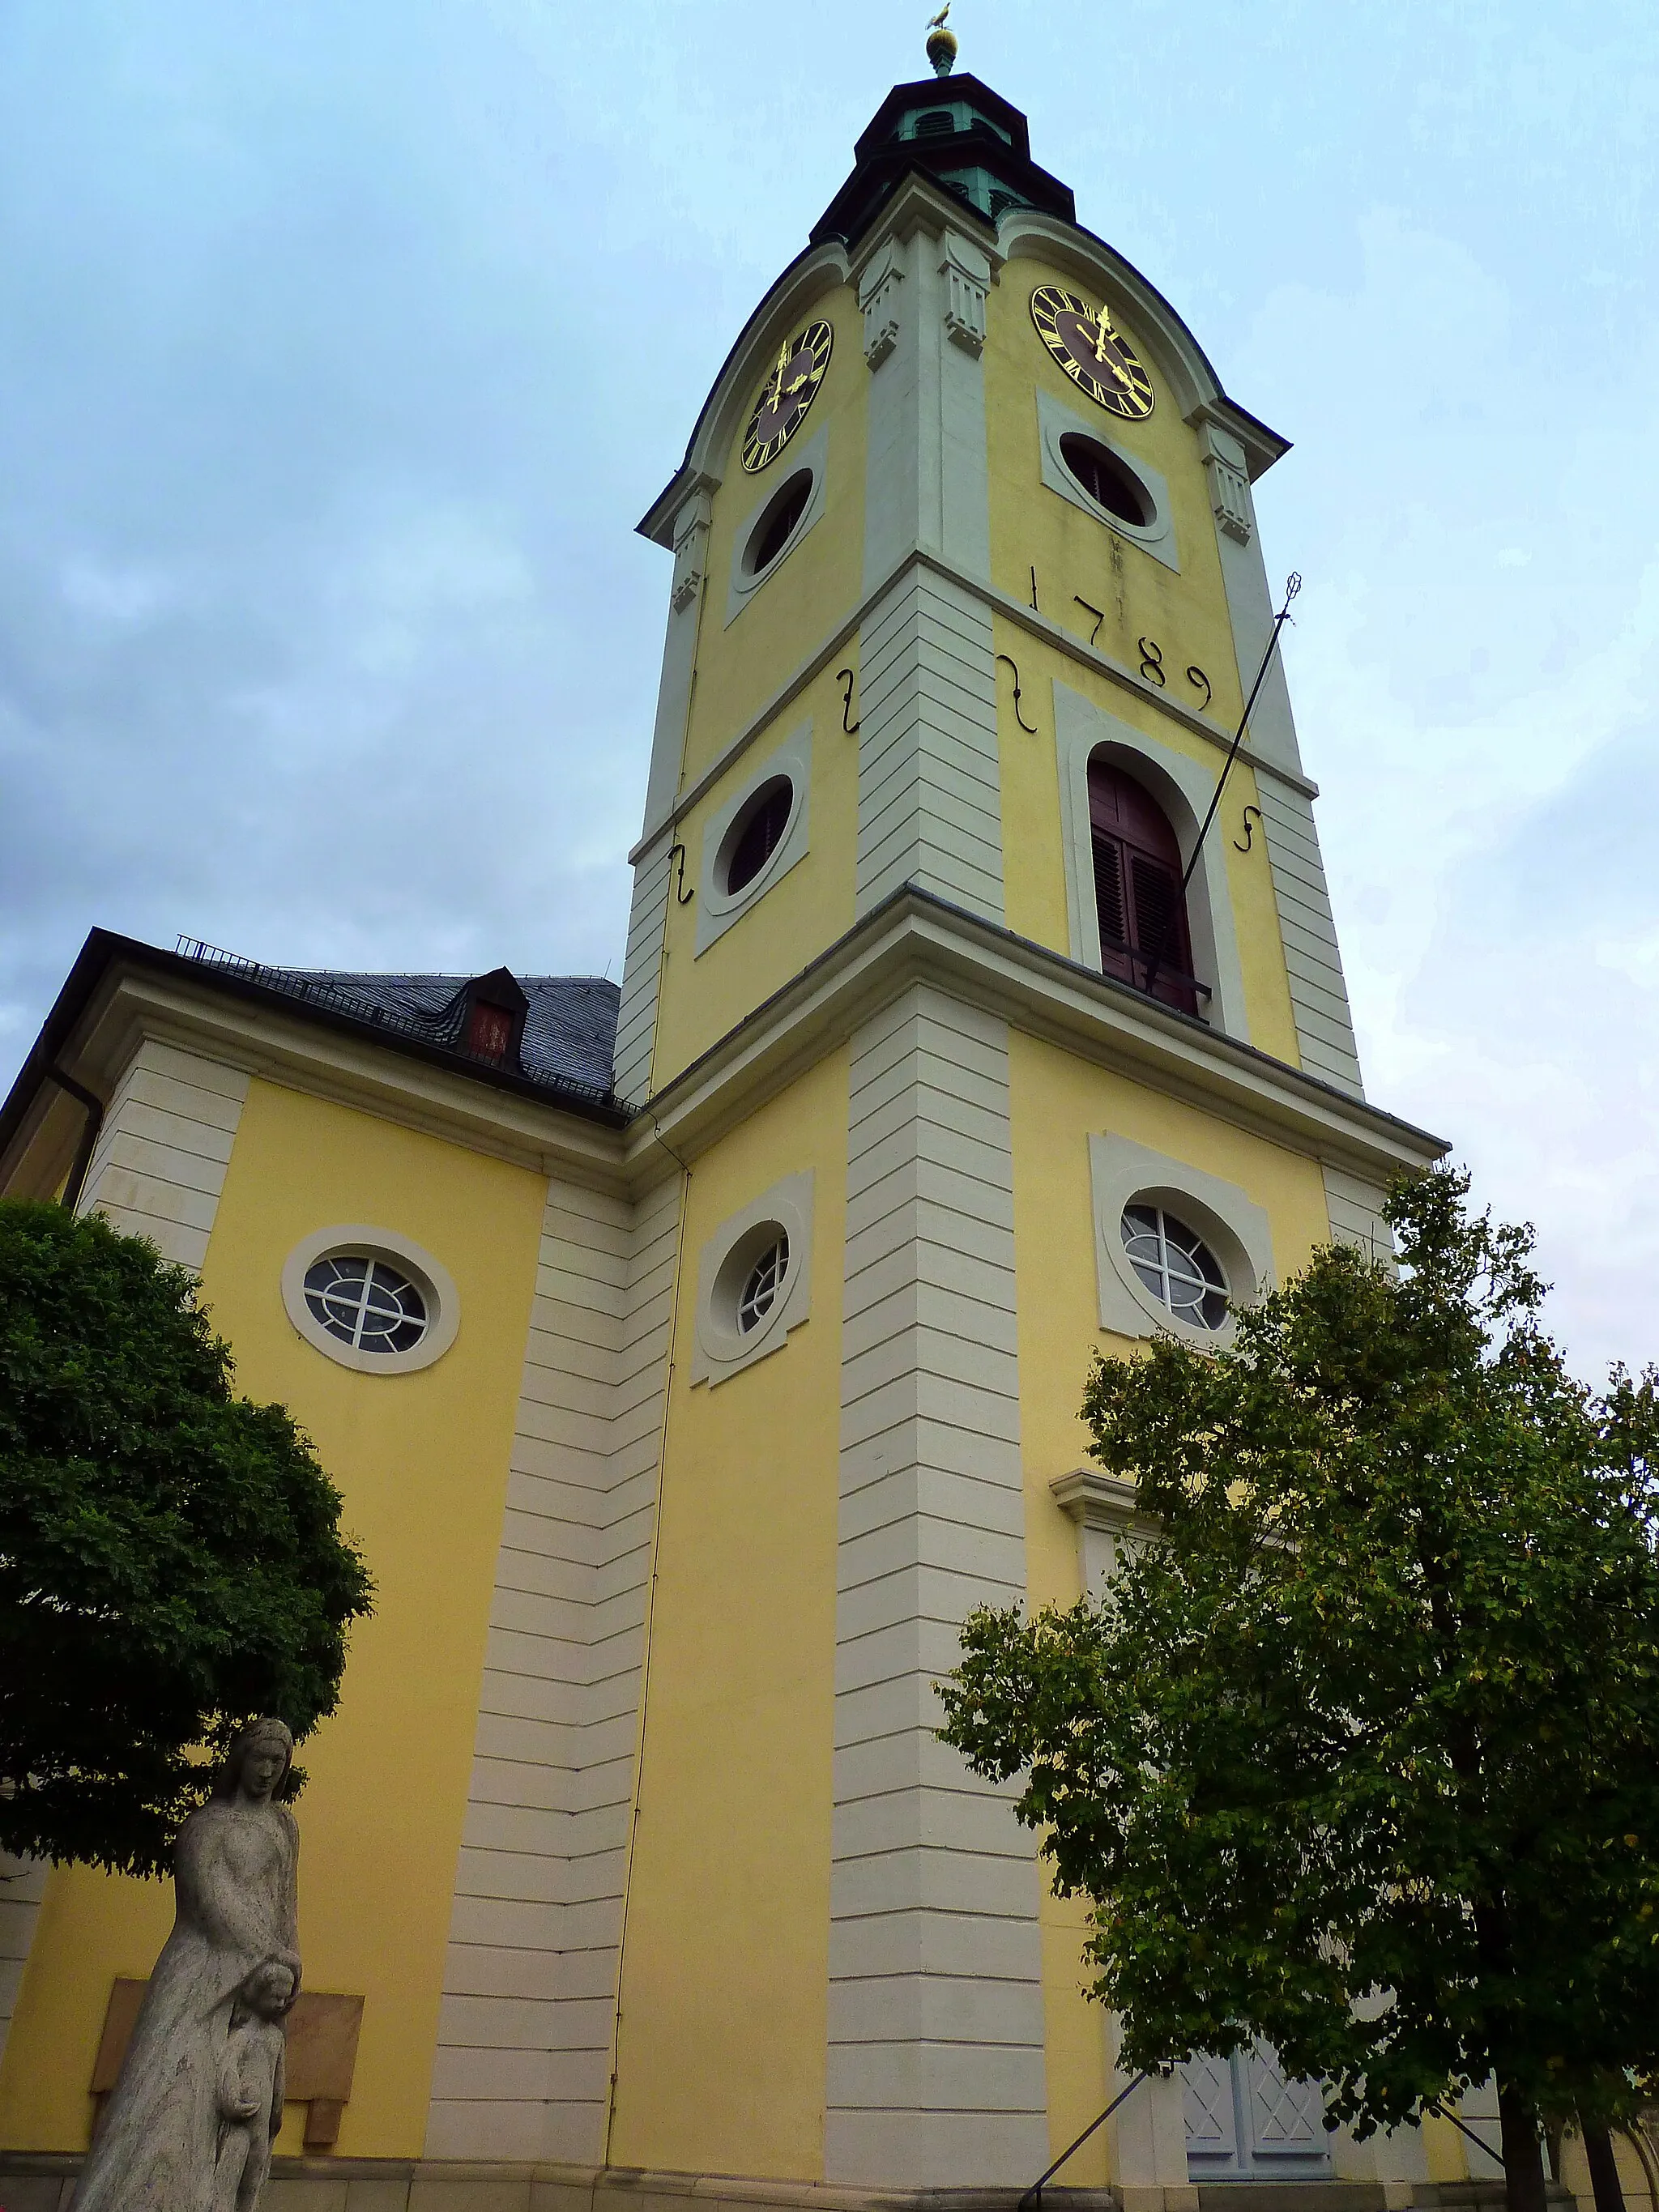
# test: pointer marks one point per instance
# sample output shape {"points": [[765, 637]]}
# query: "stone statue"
{"points": [[251, 2087], [189, 2124]]}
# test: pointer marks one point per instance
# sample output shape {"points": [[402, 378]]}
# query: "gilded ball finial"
{"points": [[941, 43]]}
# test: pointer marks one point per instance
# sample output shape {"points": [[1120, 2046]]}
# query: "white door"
{"points": [[1247, 2121]]}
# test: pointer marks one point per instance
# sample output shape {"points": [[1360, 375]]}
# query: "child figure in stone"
{"points": [[251, 2087]]}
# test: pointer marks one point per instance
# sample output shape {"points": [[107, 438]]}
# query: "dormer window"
{"points": [[1137, 899], [492, 1019]]}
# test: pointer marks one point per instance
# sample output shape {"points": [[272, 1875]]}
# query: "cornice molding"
{"points": [[1088, 656], [1101, 1501], [133, 1002], [1029, 619], [914, 937]]}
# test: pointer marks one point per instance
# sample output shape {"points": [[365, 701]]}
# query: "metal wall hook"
{"points": [[1250, 829], [845, 676], [1030, 728], [684, 896]]}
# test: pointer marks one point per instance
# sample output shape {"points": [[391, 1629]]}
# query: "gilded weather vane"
{"points": [[941, 43]]}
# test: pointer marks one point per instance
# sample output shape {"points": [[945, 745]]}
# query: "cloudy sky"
{"points": [[341, 346]]}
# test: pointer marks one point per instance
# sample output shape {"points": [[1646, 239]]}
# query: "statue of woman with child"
{"points": [[190, 2123]]}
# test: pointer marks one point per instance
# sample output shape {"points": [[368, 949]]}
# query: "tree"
{"points": [[170, 1559], [1360, 1752]]}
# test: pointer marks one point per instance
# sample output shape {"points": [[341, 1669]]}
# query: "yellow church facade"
{"points": [[691, 1358]]}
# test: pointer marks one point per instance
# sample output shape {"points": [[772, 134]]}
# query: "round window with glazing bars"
{"points": [[365, 1303], [763, 1285], [1176, 1264]]}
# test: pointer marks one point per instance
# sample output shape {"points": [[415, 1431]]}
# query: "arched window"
{"points": [[1143, 920]]}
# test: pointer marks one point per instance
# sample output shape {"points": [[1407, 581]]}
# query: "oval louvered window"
{"points": [[1106, 479], [777, 524], [1138, 902], [758, 832]]}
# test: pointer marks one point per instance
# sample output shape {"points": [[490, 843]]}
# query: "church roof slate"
{"points": [[569, 1029]]}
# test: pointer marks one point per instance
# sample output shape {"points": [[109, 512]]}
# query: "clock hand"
{"points": [[1102, 331]]}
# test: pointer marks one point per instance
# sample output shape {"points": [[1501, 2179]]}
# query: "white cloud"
{"points": [[117, 596]]}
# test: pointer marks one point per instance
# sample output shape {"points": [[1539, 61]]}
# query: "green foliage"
{"points": [[1360, 1753], [170, 1562]]}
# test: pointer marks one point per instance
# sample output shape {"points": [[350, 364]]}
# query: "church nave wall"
{"points": [[421, 1460]]}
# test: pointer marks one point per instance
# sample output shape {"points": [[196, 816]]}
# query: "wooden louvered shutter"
{"points": [[1111, 909], [1153, 891], [1158, 929]]}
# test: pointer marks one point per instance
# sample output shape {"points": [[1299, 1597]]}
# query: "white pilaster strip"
{"points": [[1355, 1208], [1319, 992], [1249, 599], [157, 1170], [160, 1162], [522, 2066], [641, 984], [935, 2060], [930, 795], [922, 287], [22, 1886]]}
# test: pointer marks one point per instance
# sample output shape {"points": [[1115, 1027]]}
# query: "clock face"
{"points": [[1091, 352], [790, 387]]}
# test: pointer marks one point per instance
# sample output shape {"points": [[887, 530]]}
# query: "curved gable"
{"points": [[1025, 233], [820, 269]]}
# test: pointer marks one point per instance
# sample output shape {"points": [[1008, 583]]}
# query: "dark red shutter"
{"points": [[1138, 869], [488, 1031], [1154, 890]]}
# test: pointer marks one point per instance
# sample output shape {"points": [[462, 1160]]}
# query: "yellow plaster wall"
{"points": [[1443, 2150], [703, 995], [1057, 1102], [740, 666], [721, 2043], [1185, 615], [422, 1462]]}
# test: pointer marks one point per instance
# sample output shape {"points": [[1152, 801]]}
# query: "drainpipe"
{"points": [[84, 1150]]}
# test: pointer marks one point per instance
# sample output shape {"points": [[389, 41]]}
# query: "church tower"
{"points": [[976, 1015], [967, 595]]}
